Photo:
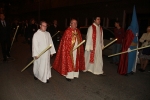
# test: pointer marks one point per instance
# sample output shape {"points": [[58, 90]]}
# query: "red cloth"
{"points": [[94, 43], [123, 65], [64, 59], [119, 34]]}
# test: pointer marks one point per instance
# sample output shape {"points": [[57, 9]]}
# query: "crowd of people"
{"points": [[70, 60]]}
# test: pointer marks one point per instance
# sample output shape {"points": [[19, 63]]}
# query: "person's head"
{"points": [[32, 21], [55, 22], [97, 20], [117, 24], [2, 16], [43, 26], [148, 29], [73, 23]]}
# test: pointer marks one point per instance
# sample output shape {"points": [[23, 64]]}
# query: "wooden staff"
{"points": [[55, 34], [37, 56], [79, 45], [128, 51], [110, 43], [14, 37]]}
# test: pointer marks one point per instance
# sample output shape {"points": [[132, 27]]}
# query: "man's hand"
{"points": [[36, 57]]}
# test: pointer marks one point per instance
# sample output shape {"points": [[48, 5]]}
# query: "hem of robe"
{"points": [[75, 75], [42, 80], [93, 72]]}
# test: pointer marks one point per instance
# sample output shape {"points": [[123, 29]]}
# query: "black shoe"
{"points": [[141, 70], [35, 78], [8, 55], [69, 80], [5, 59], [112, 62], [103, 74], [47, 81], [131, 73]]}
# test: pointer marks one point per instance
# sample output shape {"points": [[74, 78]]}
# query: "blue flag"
{"points": [[134, 25], [132, 56]]}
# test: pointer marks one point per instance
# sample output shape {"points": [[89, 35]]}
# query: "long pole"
{"points": [[79, 45], [110, 43], [14, 37], [128, 51], [38, 57]]}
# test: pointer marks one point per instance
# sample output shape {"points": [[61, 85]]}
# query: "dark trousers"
{"points": [[5, 46], [30, 43]]}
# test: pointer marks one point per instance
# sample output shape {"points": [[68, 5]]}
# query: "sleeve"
{"points": [[35, 46], [142, 39], [52, 49], [89, 42], [102, 40]]}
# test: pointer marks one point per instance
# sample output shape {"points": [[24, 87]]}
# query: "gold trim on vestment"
{"points": [[75, 37]]}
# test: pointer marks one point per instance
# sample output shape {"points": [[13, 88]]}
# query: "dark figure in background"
{"points": [[32, 28], [20, 29], [26, 28], [14, 26], [54, 29], [5, 37], [119, 34]]}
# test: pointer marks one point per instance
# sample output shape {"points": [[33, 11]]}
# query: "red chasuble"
{"points": [[123, 65], [64, 58]]}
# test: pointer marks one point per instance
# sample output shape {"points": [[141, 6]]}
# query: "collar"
{"points": [[41, 31], [96, 25]]}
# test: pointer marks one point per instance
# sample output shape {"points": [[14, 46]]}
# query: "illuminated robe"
{"points": [[93, 50], [41, 68], [69, 62]]}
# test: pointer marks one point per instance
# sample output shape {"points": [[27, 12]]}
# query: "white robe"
{"points": [[41, 68], [71, 75], [97, 66]]}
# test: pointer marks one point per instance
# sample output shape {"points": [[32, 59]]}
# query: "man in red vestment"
{"points": [[69, 62]]}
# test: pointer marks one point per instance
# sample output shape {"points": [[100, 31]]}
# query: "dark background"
{"points": [[82, 10]]}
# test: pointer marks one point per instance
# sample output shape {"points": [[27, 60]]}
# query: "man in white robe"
{"points": [[93, 48], [42, 40]]}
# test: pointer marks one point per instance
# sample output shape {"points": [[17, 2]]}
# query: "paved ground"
{"points": [[15, 85]]}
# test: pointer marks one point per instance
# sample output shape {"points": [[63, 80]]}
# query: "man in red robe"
{"points": [[69, 62]]}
